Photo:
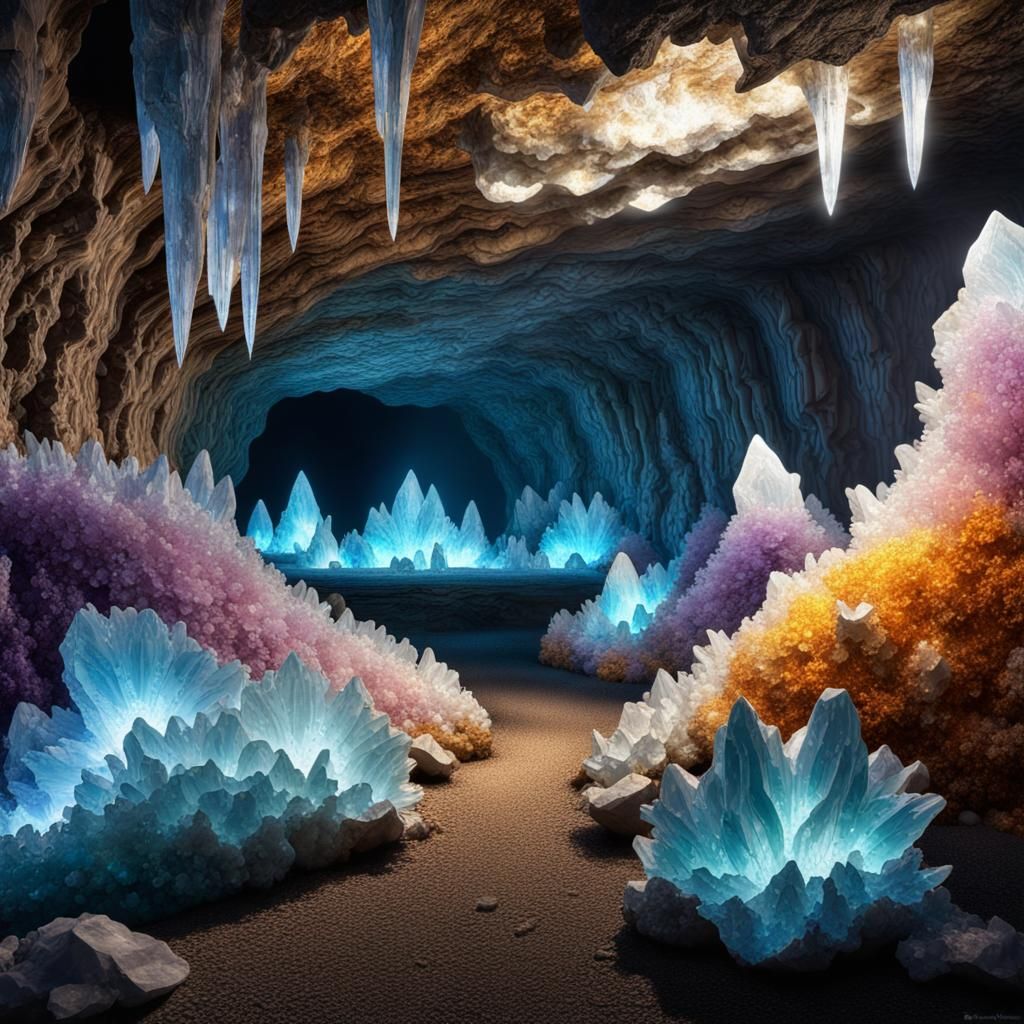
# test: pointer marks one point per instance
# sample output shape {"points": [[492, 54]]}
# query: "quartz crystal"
{"points": [[176, 55], [260, 529], [296, 156], [591, 531], [299, 521], [395, 27], [917, 62], [826, 87], [791, 849], [21, 81], [170, 744]]}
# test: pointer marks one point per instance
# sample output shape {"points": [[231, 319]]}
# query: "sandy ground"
{"points": [[396, 937]]}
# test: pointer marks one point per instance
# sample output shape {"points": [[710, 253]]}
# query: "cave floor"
{"points": [[395, 937]]}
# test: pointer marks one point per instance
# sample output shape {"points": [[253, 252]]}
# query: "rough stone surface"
{"points": [[431, 758], [617, 808], [82, 966]]}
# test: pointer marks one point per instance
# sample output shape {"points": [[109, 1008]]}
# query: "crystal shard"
{"points": [[260, 529], [21, 81], [395, 27], [235, 238], [917, 63], [299, 520], [591, 532], [826, 87], [176, 55], [763, 481], [296, 156]]}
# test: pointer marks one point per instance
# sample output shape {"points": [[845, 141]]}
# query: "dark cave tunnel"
{"points": [[356, 450]]}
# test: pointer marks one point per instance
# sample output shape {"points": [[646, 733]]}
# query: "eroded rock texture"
{"points": [[636, 353]]}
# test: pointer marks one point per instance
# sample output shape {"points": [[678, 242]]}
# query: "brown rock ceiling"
{"points": [[87, 348]]}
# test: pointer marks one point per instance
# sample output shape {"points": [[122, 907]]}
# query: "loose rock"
{"points": [[82, 966], [486, 904], [617, 808], [431, 758], [524, 929]]}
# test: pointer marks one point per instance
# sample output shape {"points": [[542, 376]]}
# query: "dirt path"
{"points": [[396, 938]]}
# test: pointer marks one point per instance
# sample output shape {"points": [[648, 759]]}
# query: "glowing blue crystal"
{"points": [[323, 548], [177, 767], [630, 598], [395, 27], [532, 514], [260, 528], [416, 523], [299, 521], [593, 532], [785, 847]]}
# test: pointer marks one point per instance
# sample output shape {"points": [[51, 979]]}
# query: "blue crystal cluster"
{"points": [[176, 780], [417, 533], [790, 852]]}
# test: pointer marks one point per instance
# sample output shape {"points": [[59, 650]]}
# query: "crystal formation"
{"points": [[826, 87], [917, 63], [169, 743], [590, 531], [296, 156], [395, 27], [793, 852], [176, 54], [84, 530]]}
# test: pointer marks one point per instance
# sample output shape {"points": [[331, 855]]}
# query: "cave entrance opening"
{"points": [[356, 451]]}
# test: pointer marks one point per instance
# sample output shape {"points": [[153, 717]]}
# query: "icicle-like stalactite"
{"points": [[826, 88], [296, 156], [150, 143], [21, 81], [917, 62], [176, 55], [236, 218], [395, 27]]}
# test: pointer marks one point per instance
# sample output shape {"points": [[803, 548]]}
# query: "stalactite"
{"points": [[296, 156], [826, 87], [917, 62]]}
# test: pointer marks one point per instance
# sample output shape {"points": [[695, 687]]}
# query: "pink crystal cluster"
{"points": [[76, 532]]}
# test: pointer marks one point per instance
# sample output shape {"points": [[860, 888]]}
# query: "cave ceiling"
{"points": [[596, 199]]}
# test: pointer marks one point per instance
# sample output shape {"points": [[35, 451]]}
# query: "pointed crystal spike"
{"points": [[395, 27], [220, 268], [21, 82], [252, 247], [826, 87], [180, 42], [917, 63], [150, 142], [296, 156]]}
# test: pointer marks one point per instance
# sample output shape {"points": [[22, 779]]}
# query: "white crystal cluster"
{"points": [[166, 741], [793, 851], [416, 533]]}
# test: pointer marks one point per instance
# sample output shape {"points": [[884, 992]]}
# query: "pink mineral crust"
{"points": [[69, 541]]}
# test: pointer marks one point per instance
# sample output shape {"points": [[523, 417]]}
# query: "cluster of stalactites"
{"points": [[218, 95], [827, 87]]}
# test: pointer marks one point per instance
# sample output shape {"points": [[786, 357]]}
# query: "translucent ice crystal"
{"points": [[260, 528], [917, 62], [296, 156], [763, 481], [826, 87], [323, 548], [591, 531], [416, 523], [21, 81], [532, 514], [176, 55], [788, 849], [234, 242], [299, 520], [395, 27], [175, 767], [630, 598]]}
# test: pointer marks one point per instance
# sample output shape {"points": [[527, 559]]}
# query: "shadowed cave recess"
{"points": [[401, 398]]}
